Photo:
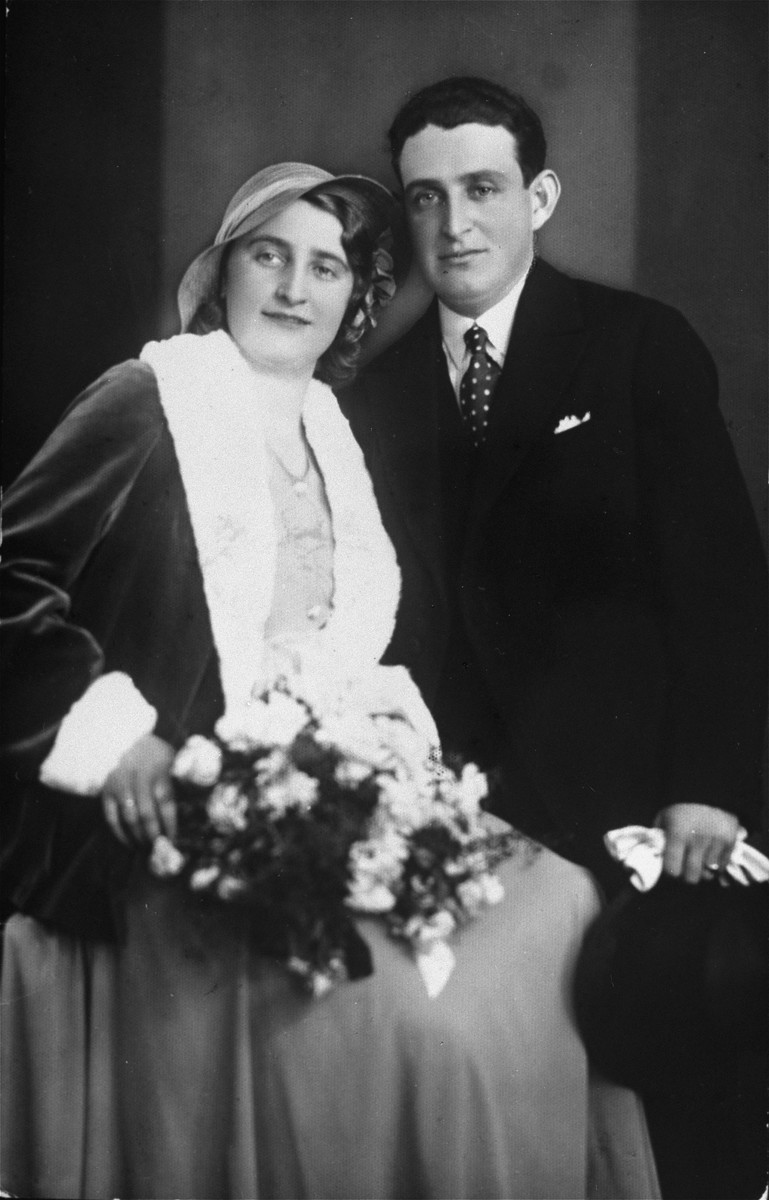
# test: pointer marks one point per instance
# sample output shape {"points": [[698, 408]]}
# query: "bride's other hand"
{"points": [[699, 840], [137, 797]]}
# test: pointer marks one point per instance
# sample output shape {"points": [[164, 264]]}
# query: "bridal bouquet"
{"points": [[317, 801]]}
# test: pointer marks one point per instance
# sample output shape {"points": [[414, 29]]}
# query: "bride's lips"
{"points": [[289, 320]]}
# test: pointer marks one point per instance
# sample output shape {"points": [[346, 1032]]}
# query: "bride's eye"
{"points": [[268, 258], [325, 271]]}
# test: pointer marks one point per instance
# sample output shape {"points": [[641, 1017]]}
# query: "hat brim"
{"points": [[201, 279]]}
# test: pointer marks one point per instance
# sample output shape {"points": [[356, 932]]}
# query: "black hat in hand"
{"points": [[672, 982]]}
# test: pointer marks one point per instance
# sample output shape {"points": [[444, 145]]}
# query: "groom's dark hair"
{"points": [[465, 100]]}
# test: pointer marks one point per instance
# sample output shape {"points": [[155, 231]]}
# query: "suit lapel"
{"points": [[409, 386], [547, 341]]}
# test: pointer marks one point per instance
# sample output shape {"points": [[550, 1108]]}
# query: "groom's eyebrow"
{"points": [[435, 184], [469, 178]]}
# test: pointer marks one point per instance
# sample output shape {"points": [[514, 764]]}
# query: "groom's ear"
{"points": [[544, 193]]}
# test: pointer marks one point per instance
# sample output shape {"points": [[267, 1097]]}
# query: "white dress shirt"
{"points": [[498, 323]]}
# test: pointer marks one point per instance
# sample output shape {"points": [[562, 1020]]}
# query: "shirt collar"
{"points": [[497, 321]]}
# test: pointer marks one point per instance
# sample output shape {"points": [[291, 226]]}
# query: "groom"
{"points": [[583, 583], [583, 580]]}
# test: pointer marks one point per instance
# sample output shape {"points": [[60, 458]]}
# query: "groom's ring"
{"points": [[712, 866]]}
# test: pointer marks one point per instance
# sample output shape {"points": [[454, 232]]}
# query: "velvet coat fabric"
{"points": [[83, 595], [596, 592]]}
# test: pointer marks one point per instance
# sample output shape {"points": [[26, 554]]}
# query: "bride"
{"points": [[200, 516]]}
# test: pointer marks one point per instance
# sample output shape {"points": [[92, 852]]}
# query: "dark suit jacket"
{"points": [[595, 595]]}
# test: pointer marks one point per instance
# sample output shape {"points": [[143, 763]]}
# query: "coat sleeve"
{"points": [[708, 575], [58, 701]]}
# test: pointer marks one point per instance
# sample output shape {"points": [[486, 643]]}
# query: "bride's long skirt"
{"points": [[183, 1065]]}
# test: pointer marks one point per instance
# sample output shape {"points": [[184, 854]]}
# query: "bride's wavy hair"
{"points": [[364, 225]]}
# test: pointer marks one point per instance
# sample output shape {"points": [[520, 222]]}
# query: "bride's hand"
{"points": [[138, 797]]}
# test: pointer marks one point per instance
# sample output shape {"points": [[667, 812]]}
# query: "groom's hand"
{"points": [[138, 797], [698, 840]]}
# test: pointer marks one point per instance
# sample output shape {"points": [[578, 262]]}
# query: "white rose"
{"points": [[243, 729], [366, 896], [404, 803], [304, 788], [294, 790], [350, 774], [271, 766], [470, 895], [198, 762], [431, 929], [320, 984], [227, 808], [274, 722], [472, 787], [493, 890], [380, 858], [202, 879], [165, 860], [475, 863]]}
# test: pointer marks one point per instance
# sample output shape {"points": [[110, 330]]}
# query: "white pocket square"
{"points": [[571, 423]]}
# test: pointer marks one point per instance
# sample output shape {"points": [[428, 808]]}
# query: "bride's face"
{"points": [[287, 285]]}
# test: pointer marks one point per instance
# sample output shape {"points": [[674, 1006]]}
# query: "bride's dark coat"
{"points": [[102, 575]]}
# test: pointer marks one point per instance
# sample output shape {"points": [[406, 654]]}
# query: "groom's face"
{"points": [[469, 212]]}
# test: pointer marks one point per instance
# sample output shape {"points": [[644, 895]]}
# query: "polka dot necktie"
{"points": [[477, 386]]}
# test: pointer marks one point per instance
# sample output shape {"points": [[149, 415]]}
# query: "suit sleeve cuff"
{"points": [[95, 734]]}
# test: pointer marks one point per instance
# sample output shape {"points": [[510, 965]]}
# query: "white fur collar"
{"points": [[211, 398]]}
